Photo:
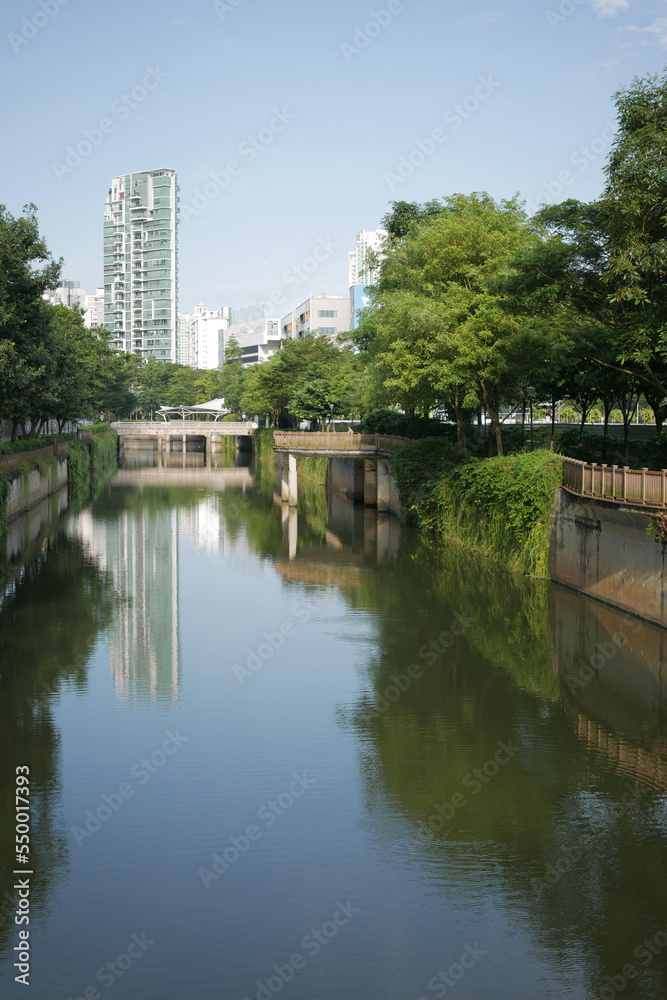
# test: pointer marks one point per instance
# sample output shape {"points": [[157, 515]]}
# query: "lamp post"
{"points": [[531, 392], [331, 407]]}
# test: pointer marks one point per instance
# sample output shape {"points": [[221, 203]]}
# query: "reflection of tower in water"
{"points": [[144, 652], [140, 550]]}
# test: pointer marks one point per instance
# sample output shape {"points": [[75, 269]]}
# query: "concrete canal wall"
{"points": [[604, 550], [28, 488]]}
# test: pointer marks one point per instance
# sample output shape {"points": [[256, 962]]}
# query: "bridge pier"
{"points": [[356, 466], [289, 491]]}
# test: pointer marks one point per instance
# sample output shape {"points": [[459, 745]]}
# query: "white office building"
{"points": [[351, 268], [67, 293], [93, 316], [141, 263], [201, 337], [324, 314], [259, 338], [363, 273]]}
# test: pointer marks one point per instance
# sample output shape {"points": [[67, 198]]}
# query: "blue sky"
{"points": [[326, 113]]}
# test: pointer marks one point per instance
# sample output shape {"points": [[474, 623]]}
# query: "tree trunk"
{"points": [[553, 419], [523, 421], [495, 422], [658, 417], [461, 442], [15, 428], [582, 425], [2, 432]]}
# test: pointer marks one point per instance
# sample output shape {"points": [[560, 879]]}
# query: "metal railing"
{"points": [[327, 441], [640, 487]]}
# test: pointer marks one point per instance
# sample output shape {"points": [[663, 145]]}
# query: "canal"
{"points": [[306, 754]]}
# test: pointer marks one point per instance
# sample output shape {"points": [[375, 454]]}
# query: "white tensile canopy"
{"points": [[214, 408]]}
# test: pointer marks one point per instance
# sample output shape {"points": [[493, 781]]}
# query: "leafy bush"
{"points": [[419, 468], [392, 422], [504, 505], [500, 506], [17, 447]]}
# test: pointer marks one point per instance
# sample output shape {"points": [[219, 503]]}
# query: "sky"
{"points": [[293, 125]]}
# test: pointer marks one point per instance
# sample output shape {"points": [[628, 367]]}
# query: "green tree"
{"points": [[232, 376], [440, 327], [635, 201]]}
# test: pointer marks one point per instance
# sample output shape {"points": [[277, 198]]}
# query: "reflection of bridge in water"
{"points": [[215, 478]]}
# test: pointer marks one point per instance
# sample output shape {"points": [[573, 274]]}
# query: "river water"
{"points": [[304, 754]]}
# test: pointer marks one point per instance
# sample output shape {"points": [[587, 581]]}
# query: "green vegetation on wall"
{"points": [[499, 506], [4, 496], [313, 470], [103, 451]]}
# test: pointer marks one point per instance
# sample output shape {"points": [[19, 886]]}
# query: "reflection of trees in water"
{"points": [[49, 623], [497, 683]]}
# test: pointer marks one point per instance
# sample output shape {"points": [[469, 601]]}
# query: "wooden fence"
{"points": [[326, 442], [640, 487]]}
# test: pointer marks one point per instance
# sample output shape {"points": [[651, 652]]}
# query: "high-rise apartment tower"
{"points": [[141, 263]]}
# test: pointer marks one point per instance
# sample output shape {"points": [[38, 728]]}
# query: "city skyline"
{"points": [[260, 177]]}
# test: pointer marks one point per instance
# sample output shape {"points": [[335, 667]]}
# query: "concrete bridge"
{"points": [[174, 435], [357, 465]]}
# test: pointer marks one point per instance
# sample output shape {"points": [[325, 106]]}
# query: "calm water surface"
{"points": [[300, 753]]}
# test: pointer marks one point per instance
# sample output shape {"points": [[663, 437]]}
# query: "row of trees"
{"points": [[51, 366], [475, 303]]}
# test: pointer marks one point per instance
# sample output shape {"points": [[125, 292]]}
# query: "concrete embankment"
{"points": [[606, 551]]}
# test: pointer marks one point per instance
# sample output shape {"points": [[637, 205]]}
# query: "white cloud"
{"points": [[658, 28], [610, 8], [488, 17]]}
